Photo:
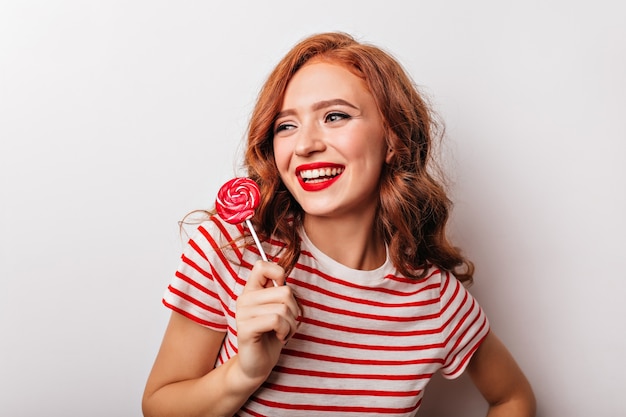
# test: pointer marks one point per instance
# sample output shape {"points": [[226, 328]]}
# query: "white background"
{"points": [[119, 117]]}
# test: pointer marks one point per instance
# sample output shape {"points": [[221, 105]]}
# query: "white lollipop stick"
{"points": [[258, 244], [256, 240]]}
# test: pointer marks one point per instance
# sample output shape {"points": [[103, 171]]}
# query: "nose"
{"points": [[310, 140]]}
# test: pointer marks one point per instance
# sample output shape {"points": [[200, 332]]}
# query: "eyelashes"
{"points": [[282, 127], [335, 117], [329, 118]]}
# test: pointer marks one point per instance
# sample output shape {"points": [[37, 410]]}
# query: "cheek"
{"points": [[281, 156]]}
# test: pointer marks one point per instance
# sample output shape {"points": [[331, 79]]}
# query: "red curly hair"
{"points": [[414, 207]]}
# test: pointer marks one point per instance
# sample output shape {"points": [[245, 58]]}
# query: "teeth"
{"points": [[310, 174]]}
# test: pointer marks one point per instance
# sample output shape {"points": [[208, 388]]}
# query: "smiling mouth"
{"points": [[312, 176]]}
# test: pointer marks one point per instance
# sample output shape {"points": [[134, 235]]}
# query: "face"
{"points": [[329, 142]]}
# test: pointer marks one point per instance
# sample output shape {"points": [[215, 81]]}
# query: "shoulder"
{"points": [[434, 275], [229, 242], [446, 285], [209, 236], [445, 278], [213, 229]]}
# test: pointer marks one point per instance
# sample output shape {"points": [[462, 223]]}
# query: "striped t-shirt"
{"points": [[368, 343]]}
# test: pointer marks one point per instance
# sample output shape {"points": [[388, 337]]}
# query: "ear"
{"points": [[390, 155]]}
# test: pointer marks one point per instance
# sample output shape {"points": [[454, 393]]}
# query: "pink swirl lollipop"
{"points": [[235, 203], [237, 200]]}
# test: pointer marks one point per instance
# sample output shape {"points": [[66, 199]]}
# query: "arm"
{"points": [[500, 380], [184, 382]]}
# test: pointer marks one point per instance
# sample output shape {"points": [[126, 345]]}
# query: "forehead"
{"points": [[322, 78]]}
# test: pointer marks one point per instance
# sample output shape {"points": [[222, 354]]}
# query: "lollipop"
{"points": [[236, 202]]}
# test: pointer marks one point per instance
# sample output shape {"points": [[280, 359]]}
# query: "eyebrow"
{"points": [[321, 105]]}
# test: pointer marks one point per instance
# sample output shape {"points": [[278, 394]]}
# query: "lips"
{"points": [[318, 176]]}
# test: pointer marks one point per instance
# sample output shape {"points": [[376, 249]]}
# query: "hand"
{"points": [[266, 319]]}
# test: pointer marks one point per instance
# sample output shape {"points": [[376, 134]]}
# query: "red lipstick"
{"points": [[318, 176]]}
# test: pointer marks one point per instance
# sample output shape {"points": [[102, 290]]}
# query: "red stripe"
{"points": [[194, 301], [379, 332], [195, 266], [232, 346], [337, 375], [211, 324], [336, 295], [403, 279], [334, 408], [329, 278], [349, 313], [195, 284], [407, 348], [197, 248], [252, 413], [335, 391], [325, 358]]}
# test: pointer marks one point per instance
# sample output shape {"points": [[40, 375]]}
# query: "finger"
{"points": [[262, 275], [282, 295], [246, 312], [283, 326]]}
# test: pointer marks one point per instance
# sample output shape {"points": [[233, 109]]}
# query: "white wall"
{"points": [[119, 117]]}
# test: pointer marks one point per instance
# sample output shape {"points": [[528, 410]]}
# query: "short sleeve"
{"points": [[193, 291], [465, 326]]}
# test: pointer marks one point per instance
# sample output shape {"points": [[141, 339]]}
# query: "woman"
{"points": [[354, 223]]}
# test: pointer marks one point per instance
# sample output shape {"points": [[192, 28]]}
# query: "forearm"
{"points": [[521, 404], [514, 409], [221, 392]]}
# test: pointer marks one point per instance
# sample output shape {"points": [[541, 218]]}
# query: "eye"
{"points": [[283, 127], [335, 117]]}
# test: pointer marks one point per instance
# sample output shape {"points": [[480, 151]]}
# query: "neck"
{"points": [[351, 242]]}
